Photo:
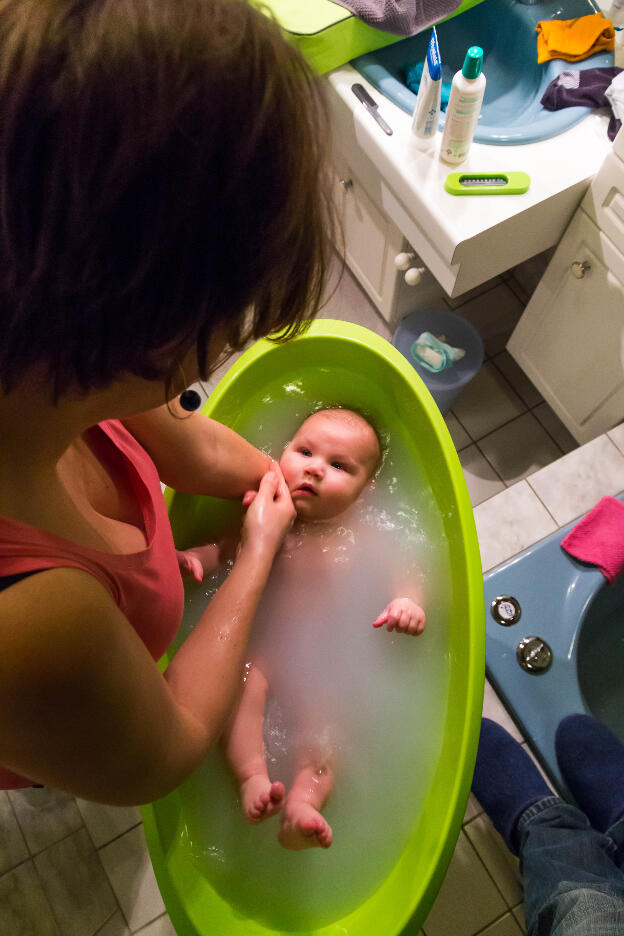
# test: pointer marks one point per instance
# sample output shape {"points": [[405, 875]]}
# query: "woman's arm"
{"points": [[84, 708], [197, 455]]}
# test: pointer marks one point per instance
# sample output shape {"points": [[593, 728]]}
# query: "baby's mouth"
{"points": [[305, 489]]}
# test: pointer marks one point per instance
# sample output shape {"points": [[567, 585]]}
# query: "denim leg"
{"points": [[572, 885], [616, 833]]}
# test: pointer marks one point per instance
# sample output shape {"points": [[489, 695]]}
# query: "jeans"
{"points": [[573, 875]]}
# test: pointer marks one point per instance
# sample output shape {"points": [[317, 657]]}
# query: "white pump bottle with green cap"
{"points": [[464, 107]]}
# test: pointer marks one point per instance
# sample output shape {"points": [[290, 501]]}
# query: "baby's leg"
{"points": [[303, 826], [244, 748]]}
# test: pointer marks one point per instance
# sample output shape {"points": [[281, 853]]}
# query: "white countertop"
{"points": [[560, 170]]}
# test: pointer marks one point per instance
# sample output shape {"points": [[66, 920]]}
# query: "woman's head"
{"points": [[162, 180]]}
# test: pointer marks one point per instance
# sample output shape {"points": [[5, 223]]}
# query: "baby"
{"points": [[332, 458]]}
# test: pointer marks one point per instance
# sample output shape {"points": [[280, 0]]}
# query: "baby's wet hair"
{"points": [[366, 418]]}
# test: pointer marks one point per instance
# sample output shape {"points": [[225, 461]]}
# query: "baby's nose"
{"points": [[314, 466]]}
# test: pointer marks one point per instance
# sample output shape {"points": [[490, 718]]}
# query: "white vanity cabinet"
{"points": [[371, 240], [372, 243], [570, 339]]}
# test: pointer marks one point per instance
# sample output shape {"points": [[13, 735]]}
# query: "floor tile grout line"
{"points": [[547, 431], [544, 505], [146, 925], [494, 469], [504, 376], [16, 866], [105, 923], [509, 384], [454, 414], [117, 837], [44, 892], [508, 912], [40, 851], [492, 880]]}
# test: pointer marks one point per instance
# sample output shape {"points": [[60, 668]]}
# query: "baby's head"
{"points": [[329, 462]]}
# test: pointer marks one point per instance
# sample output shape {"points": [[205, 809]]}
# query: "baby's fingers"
{"points": [[381, 619], [248, 498]]}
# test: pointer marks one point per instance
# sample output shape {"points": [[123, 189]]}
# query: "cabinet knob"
{"points": [[346, 184], [402, 261], [579, 268], [414, 275]]}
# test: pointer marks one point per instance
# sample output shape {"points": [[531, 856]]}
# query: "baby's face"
{"points": [[328, 463]]}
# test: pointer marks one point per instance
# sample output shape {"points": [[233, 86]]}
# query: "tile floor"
{"points": [[71, 868]]}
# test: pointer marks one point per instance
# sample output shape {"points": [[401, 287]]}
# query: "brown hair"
{"points": [[162, 176]]}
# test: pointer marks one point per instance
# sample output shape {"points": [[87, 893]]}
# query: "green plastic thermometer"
{"points": [[487, 183]]}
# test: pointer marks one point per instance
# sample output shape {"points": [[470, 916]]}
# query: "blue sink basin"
{"points": [[505, 29], [568, 605]]}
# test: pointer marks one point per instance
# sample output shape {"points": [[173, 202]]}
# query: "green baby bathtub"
{"points": [[353, 367], [328, 34]]}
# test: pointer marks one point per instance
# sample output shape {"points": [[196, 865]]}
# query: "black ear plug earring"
{"points": [[190, 400]]}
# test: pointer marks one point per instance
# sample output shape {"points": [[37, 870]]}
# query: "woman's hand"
{"points": [[270, 512], [402, 615]]}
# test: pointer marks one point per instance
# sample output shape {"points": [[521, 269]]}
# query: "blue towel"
{"points": [[413, 76]]}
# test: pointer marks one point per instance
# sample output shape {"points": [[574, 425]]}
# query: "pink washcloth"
{"points": [[599, 538]]}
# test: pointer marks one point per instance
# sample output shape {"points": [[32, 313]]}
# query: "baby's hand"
{"points": [[195, 562], [190, 566], [404, 616]]}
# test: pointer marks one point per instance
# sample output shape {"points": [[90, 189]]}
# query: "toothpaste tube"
{"points": [[427, 110]]}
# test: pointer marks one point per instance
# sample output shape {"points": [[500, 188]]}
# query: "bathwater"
{"points": [[374, 700]]}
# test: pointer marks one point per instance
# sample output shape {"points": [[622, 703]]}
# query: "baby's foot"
{"points": [[303, 826], [261, 798]]}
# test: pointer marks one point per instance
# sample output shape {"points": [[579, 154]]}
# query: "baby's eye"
{"points": [[338, 465], [305, 451]]}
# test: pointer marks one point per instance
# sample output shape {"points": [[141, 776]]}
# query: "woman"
{"points": [[162, 201]]}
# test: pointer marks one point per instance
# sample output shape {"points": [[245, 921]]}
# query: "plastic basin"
{"points": [[505, 29], [351, 366]]}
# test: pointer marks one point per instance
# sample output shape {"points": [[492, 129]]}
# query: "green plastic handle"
{"points": [[487, 183]]}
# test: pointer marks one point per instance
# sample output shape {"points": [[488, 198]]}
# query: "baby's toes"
{"points": [[277, 792]]}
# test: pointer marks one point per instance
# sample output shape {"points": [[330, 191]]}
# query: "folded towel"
{"points": [[401, 17], [575, 39], [615, 96], [589, 87], [413, 76], [599, 538]]}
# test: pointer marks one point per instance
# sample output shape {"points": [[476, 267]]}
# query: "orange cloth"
{"points": [[575, 39]]}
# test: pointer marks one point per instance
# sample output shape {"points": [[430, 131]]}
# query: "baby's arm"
{"points": [[244, 749]]}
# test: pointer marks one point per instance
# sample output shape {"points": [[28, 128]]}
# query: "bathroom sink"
{"points": [[564, 608], [505, 29]]}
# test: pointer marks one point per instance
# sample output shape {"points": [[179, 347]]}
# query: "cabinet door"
{"points": [[570, 339], [372, 242]]}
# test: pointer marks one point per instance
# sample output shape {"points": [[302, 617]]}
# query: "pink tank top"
{"points": [[146, 585]]}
